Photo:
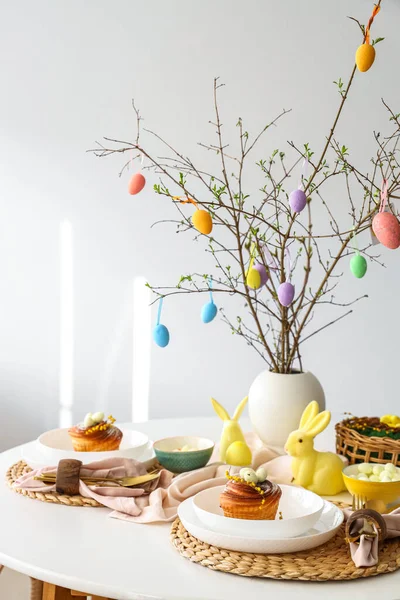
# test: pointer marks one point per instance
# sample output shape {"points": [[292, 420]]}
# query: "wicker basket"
{"points": [[358, 448]]}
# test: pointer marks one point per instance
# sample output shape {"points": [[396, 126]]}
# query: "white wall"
{"points": [[68, 72]]}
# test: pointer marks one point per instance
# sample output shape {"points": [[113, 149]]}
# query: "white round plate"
{"points": [[33, 454], [329, 522], [300, 510]]}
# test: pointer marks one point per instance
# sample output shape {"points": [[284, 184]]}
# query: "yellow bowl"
{"points": [[384, 491]]}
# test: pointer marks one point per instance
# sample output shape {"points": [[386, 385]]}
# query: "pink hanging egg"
{"points": [[387, 229], [297, 200], [286, 293], [136, 184]]}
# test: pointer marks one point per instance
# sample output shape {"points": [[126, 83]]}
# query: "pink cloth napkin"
{"points": [[365, 553], [161, 503]]}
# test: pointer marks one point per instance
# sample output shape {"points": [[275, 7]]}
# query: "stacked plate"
{"points": [[56, 444], [307, 521]]}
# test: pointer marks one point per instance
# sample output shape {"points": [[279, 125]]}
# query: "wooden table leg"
{"points": [[36, 589], [54, 592]]}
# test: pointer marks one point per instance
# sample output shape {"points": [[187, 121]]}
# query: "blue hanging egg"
{"points": [[208, 312], [161, 335]]}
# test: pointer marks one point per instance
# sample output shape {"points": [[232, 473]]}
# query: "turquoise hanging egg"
{"points": [[358, 266], [161, 335], [208, 312]]}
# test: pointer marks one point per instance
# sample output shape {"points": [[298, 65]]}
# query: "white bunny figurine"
{"points": [[319, 472]]}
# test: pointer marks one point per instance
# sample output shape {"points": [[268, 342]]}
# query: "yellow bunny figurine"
{"points": [[232, 440], [319, 472]]}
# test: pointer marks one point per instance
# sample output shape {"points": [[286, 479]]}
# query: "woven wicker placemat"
{"points": [[21, 467], [325, 563]]}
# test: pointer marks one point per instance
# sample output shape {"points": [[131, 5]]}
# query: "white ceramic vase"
{"points": [[276, 402]]}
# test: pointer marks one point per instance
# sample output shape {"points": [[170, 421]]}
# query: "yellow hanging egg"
{"points": [[365, 57], [253, 279], [202, 221]]}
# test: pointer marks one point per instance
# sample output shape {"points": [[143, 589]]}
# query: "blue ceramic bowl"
{"points": [[180, 462]]}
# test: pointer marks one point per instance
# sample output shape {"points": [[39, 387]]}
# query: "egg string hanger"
{"points": [[375, 11], [384, 195], [304, 172], [354, 241], [187, 201], [160, 332], [160, 304]]}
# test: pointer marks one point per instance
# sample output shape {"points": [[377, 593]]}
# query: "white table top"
{"points": [[82, 549]]}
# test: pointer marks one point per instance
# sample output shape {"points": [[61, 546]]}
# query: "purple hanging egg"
{"points": [[286, 293], [297, 200]]}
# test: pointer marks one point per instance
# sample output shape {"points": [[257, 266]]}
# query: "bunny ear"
{"points": [[239, 409], [310, 411], [318, 423], [221, 412]]}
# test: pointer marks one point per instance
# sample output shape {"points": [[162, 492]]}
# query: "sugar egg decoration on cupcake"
{"points": [[250, 495]]}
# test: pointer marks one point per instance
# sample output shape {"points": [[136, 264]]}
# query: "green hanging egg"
{"points": [[358, 266]]}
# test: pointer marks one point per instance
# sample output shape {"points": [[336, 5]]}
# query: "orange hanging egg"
{"points": [[387, 229], [136, 184], [202, 221], [365, 57]]}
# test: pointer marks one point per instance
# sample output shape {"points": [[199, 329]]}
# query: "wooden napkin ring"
{"points": [[368, 513], [67, 478]]}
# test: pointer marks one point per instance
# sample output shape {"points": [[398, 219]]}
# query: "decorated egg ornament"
{"points": [[385, 225], [358, 266], [161, 335], [386, 228], [257, 276], [202, 221], [365, 54], [297, 200], [136, 184], [365, 57], [209, 310], [286, 293], [160, 332]]}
